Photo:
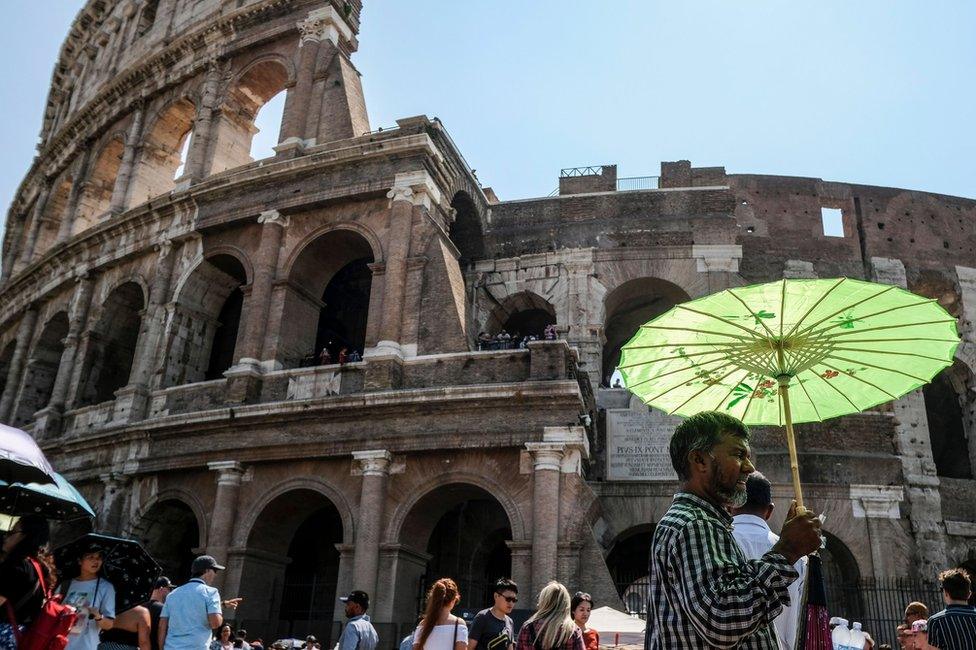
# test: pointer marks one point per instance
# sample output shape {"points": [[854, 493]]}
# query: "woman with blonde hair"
{"points": [[439, 629], [551, 627]]}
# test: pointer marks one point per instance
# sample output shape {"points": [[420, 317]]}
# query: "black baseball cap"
{"points": [[358, 597], [162, 582], [203, 563]]}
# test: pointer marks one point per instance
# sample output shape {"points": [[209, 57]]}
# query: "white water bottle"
{"points": [[857, 638], [840, 636]]}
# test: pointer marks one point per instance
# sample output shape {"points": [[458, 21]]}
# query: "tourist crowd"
{"points": [[718, 577], [514, 341]]}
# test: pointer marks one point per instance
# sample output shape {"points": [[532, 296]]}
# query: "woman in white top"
{"points": [[439, 629]]}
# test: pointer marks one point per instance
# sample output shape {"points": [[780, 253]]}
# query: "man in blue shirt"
{"points": [[954, 628], [193, 611], [359, 633]]}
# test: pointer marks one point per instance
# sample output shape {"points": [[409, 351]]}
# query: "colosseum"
{"points": [[166, 300]]}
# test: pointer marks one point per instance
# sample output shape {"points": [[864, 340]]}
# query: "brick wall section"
{"points": [[605, 181], [442, 317]]}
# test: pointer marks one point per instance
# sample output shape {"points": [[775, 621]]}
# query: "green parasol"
{"points": [[841, 345]]}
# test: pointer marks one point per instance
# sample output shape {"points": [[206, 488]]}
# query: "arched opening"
{"points": [[248, 99], [629, 562], [519, 317], [170, 533], [842, 579], [52, 215], [268, 127], [206, 321], [466, 232], [6, 356], [944, 398], [327, 304], [628, 307], [112, 345], [96, 197], [146, 17], [464, 530], [42, 369], [163, 152], [293, 561]]}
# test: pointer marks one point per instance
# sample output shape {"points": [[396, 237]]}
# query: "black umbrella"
{"points": [[58, 500], [126, 564]]}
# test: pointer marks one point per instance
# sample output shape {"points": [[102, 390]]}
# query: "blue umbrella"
{"points": [[59, 500]]}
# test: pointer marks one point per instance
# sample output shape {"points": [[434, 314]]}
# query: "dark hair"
{"points": [[578, 598], [441, 593], [505, 584], [956, 584], [219, 632], [37, 532], [701, 432], [759, 491]]}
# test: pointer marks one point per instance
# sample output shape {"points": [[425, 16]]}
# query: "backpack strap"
{"points": [[40, 577]]}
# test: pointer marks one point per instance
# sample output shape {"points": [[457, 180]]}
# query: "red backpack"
{"points": [[50, 628]]}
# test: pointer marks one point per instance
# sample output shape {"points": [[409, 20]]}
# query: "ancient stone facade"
{"points": [[166, 299]]}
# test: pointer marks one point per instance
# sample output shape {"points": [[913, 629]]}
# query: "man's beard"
{"points": [[734, 496]]}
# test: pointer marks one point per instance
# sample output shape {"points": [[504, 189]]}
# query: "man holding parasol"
{"points": [[703, 589]]}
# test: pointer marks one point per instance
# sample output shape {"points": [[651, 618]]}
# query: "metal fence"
{"points": [[629, 183], [878, 603]]}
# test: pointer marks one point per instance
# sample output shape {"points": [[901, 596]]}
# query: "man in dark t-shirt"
{"points": [[160, 590], [492, 628]]}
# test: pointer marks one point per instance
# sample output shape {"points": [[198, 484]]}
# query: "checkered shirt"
{"points": [[703, 591]]}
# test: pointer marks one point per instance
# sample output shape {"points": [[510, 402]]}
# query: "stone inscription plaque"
{"points": [[637, 444]]}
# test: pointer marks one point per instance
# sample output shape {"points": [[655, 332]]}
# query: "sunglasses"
{"points": [[509, 599]]}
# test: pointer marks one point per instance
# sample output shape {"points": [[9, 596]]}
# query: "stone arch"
{"points": [[524, 312], [291, 538], [376, 247], [463, 530], [173, 528], [627, 307], [208, 309], [486, 483], [96, 195], [949, 403], [327, 296], [258, 82], [53, 214], [628, 559], [42, 368], [167, 135], [147, 17], [245, 523], [112, 342], [842, 575], [467, 230]]}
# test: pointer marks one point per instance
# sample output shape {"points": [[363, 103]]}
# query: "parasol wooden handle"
{"points": [[784, 393]]}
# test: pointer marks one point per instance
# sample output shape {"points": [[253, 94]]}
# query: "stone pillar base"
{"points": [[383, 373], [289, 148], [48, 422], [131, 403], [244, 382]]}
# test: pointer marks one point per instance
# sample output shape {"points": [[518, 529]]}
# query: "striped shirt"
{"points": [[703, 591], [954, 628]]}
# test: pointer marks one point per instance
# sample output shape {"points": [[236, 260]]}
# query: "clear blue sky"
{"points": [[873, 92]]}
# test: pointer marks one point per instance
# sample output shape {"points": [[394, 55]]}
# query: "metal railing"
{"points": [[591, 170], [629, 183], [877, 603]]}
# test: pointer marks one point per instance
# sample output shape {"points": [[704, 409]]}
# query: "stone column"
{"points": [[16, 227], [251, 348], [320, 24], [196, 157], [878, 503], [522, 568], [412, 191], [132, 401], [78, 185], [229, 475], [120, 191], [113, 502], [17, 363], [546, 461], [35, 226], [375, 467], [49, 418], [914, 448]]}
